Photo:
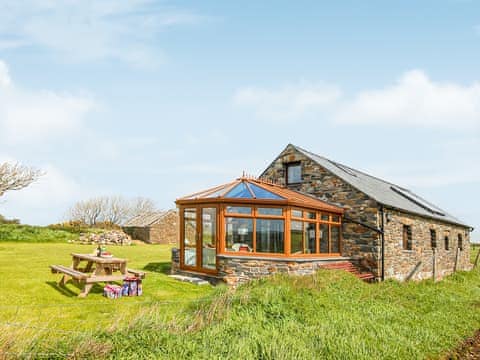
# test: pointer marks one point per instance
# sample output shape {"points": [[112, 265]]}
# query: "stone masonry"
{"points": [[399, 263], [163, 231], [363, 243], [358, 241], [237, 270]]}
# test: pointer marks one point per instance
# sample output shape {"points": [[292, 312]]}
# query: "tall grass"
{"points": [[330, 315]]}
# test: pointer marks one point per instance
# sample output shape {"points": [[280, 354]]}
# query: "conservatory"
{"points": [[254, 220]]}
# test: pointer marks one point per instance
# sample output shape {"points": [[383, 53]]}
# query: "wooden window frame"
{"points": [[433, 239], [287, 166], [287, 217], [407, 238], [460, 241]]}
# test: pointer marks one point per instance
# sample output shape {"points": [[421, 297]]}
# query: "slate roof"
{"points": [[146, 219], [382, 191]]}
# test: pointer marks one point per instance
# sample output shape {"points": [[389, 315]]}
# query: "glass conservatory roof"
{"points": [[240, 189], [244, 189]]}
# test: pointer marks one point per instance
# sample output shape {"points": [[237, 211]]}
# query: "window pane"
{"points": [[335, 218], [239, 210], [239, 191], [297, 213], [270, 211], [270, 236], [325, 217], [261, 193], [296, 237], [239, 234], [311, 215], [310, 235], [433, 238], [190, 237], [209, 238], [324, 235], [335, 239], [294, 173]]}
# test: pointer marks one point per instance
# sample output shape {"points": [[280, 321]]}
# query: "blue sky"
{"points": [[160, 99]]}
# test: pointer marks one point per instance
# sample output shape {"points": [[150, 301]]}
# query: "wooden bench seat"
{"points": [[138, 273], [77, 275]]}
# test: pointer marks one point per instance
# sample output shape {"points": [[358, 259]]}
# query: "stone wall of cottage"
{"points": [[235, 271], [358, 241], [399, 263]]}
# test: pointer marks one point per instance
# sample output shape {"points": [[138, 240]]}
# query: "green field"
{"points": [[35, 309], [329, 315]]}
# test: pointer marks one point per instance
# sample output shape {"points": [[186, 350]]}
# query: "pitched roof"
{"points": [[382, 191], [253, 190], [147, 219]]}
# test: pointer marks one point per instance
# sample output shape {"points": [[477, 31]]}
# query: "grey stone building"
{"points": [[159, 227], [388, 229]]}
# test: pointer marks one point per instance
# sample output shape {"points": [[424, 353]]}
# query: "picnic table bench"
{"points": [[97, 269]]}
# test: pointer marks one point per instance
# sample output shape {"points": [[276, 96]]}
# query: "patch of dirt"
{"points": [[469, 349]]}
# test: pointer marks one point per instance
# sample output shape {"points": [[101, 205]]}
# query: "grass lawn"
{"points": [[330, 315], [30, 299]]}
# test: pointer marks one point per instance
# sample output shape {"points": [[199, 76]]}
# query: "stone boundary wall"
{"points": [[358, 241], [399, 263]]}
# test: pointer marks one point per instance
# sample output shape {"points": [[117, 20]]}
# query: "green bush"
{"points": [[33, 234], [4, 220]]}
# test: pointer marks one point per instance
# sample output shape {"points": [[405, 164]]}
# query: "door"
{"points": [[208, 239], [199, 250]]}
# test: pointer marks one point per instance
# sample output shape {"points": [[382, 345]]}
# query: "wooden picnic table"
{"points": [[97, 269]]}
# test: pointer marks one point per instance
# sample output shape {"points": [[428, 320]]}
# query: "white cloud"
{"points": [[34, 116], [415, 100], [454, 164], [288, 102], [5, 79], [91, 30], [44, 201]]}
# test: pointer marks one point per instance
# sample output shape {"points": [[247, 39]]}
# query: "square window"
{"points": [[294, 173]]}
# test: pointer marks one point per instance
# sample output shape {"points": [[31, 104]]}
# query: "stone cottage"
{"points": [[160, 227], [393, 232], [307, 212]]}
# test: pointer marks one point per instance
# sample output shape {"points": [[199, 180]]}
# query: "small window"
{"points": [[325, 217], [407, 237], [335, 218], [311, 215], [447, 245], [239, 210], [294, 173], [297, 213], [460, 241], [270, 211], [433, 238]]}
